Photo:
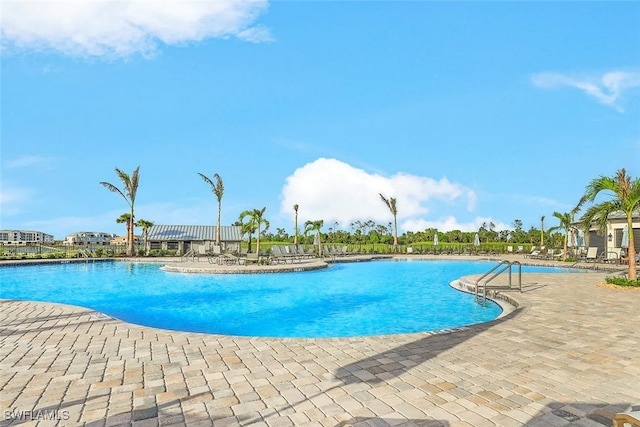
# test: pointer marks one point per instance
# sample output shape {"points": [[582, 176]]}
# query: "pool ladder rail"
{"points": [[190, 254], [501, 267], [86, 254]]}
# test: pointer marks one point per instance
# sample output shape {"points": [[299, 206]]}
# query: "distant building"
{"points": [[122, 240], [89, 238], [199, 238], [24, 237]]}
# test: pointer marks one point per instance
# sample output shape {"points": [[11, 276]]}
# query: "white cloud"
{"points": [[121, 28], [13, 200], [607, 88], [332, 190], [27, 161]]}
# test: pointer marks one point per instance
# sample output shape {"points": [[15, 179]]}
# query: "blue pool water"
{"points": [[371, 298]]}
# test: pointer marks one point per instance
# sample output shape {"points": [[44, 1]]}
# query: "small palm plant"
{"points": [[566, 220], [625, 197], [254, 220], [145, 225], [316, 226]]}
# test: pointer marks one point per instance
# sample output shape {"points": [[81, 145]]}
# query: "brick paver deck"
{"points": [[569, 355]]}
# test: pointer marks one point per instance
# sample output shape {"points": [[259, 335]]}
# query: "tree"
{"points": [[145, 225], [255, 218], [295, 236], [315, 226], [125, 218], [391, 204], [217, 188], [566, 219], [625, 197], [542, 231], [128, 192]]}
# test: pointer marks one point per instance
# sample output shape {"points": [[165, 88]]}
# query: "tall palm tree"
{"points": [[255, 219], [625, 197], [145, 225], [542, 231], [566, 219], [217, 188], [295, 236], [128, 192], [391, 204], [315, 226]]}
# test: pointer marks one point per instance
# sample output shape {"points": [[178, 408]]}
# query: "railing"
{"points": [[501, 267], [189, 254], [83, 253]]}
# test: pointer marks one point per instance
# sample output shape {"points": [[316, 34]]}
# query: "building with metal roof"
{"points": [[199, 238]]}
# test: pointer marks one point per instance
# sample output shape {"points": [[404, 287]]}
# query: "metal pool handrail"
{"points": [[500, 267]]}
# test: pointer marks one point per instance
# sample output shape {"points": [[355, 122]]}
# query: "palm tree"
{"points": [[315, 226], [217, 188], [625, 197], [566, 219], [255, 220], [542, 231], [125, 218], [391, 204], [128, 192], [145, 225], [295, 236]]}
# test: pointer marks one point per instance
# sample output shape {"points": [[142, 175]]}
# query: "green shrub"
{"points": [[621, 281]]}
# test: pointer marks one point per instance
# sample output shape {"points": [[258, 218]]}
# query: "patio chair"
{"points": [[214, 256], [252, 257], [613, 256], [277, 255], [560, 255], [520, 249], [534, 252], [231, 259], [592, 254]]}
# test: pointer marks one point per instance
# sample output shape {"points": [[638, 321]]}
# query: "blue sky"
{"points": [[466, 112]]}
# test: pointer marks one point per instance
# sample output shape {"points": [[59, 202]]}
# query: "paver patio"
{"points": [[569, 355]]}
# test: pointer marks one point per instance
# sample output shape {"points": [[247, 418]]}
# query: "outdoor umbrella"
{"points": [[625, 237], [476, 241], [435, 239]]}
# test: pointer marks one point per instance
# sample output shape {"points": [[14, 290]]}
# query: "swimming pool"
{"points": [[354, 299]]}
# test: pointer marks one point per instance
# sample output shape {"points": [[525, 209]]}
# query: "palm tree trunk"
{"points": [[631, 250], [258, 241], [395, 234], [218, 227], [130, 235]]}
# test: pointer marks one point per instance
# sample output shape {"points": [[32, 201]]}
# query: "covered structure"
{"points": [[612, 238], [199, 238]]}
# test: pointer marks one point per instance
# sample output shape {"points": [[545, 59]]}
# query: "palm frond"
{"points": [[115, 189], [219, 187], [598, 214], [133, 185]]}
